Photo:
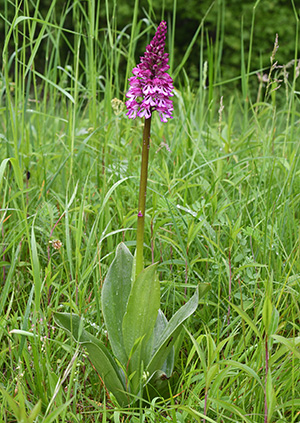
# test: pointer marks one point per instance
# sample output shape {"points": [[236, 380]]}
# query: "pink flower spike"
{"points": [[151, 87]]}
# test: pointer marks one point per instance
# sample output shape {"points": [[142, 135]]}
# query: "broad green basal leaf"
{"points": [[166, 340], [142, 308], [160, 326], [115, 293], [139, 321]]}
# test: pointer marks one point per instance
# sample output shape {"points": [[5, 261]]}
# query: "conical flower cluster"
{"points": [[151, 87]]}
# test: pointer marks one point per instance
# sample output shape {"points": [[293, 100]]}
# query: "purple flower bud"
{"points": [[150, 87]]}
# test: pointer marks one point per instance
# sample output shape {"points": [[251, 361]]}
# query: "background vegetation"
{"points": [[223, 206], [225, 26]]}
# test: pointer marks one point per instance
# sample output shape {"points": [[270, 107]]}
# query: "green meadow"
{"points": [[223, 208]]}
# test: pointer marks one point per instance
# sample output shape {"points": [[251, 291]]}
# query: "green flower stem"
{"points": [[142, 198]]}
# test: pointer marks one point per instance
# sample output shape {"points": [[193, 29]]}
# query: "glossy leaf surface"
{"points": [[167, 339], [115, 293], [140, 318]]}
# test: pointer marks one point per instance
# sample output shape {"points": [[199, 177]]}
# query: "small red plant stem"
{"points": [[142, 198]]}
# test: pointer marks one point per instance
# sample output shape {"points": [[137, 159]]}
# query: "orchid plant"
{"points": [[142, 340]]}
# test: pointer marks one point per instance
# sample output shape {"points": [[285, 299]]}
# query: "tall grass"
{"points": [[223, 207]]}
